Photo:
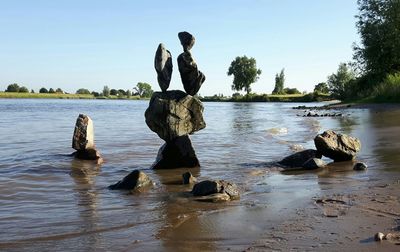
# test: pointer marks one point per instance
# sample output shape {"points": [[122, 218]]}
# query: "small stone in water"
{"points": [[360, 166], [379, 236]]}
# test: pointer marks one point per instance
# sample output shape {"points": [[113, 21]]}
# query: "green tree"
{"points": [[106, 91], [43, 90], [51, 91], [143, 89], [13, 88], [279, 82], [340, 82], [32, 91], [23, 90], [291, 91], [95, 94], [82, 91], [128, 93], [113, 91], [59, 91], [379, 27], [245, 72], [321, 88]]}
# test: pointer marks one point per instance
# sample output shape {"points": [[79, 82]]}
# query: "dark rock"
{"points": [[163, 66], [299, 158], [216, 190], [191, 77], [83, 137], [135, 180], [314, 163], [173, 113], [206, 187], [187, 40], [177, 153], [188, 178], [339, 147], [360, 166]]}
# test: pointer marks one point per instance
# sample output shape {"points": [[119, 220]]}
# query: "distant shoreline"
{"points": [[16, 95]]}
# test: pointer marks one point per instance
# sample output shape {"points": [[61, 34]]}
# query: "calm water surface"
{"points": [[51, 202]]}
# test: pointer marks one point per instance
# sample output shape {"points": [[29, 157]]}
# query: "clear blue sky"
{"points": [[73, 44]]}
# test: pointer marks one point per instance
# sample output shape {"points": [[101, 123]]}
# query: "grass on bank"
{"points": [[310, 97], [16, 95]]}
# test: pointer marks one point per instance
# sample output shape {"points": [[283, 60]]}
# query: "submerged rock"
{"points": [[173, 114], [83, 137], [206, 187], [90, 154], [163, 66], [191, 77], [339, 147], [299, 158], [176, 153], [360, 166], [188, 178], [135, 180]]}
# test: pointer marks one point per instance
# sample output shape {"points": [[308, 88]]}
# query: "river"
{"points": [[51, 202]]}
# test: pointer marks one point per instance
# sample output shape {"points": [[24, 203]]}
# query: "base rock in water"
{"points": [[214, 187], [176, 153], [135, 180], [174, 113], [339, 147], [299, 158]]}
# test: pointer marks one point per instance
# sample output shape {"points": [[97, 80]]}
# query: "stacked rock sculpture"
{"points": [[83, 139], [174, 115]]}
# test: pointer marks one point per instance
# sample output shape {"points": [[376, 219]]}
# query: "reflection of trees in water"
{"points": [[347, 124], [84, 174], [386, 127], [242, 118]]}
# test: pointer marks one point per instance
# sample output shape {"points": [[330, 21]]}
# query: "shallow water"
{"points": [[51, 202]]}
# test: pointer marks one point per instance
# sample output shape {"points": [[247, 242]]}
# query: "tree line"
{"points": [[142, 89], [374, 72]]}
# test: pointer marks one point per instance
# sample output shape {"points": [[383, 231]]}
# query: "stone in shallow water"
{"points": [[339, 147], [215, 190], [135, 180], [176, 153], [173, 114], [83, 137], [163, 66], [188, 178], [187, 40], [191, 77], [360, 166], [314, 163], [299, 158]]}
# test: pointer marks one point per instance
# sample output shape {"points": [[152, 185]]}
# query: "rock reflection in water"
{"points": [[84, 174]]}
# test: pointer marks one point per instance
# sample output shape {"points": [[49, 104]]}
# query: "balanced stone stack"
{"points": [[83, 139], [174, 115]]}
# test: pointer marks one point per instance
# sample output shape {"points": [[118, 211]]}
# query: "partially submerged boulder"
{"points": [[176, 153], [215, 190], [174, 113], [339, 147], [299, 158], [83, 140], [135, 180], [83, 137]]}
